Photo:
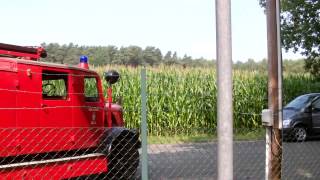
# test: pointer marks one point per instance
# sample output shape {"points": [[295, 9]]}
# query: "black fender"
{"points": [[299, 123], [118, 135]]}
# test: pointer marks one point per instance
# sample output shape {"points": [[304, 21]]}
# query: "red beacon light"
{"points": [[83, 62]]}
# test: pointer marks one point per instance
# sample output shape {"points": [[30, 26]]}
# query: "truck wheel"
{"points": [[299, 134], [123, 161]]}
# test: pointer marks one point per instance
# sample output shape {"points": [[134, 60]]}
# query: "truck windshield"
{"points": [[91, 89]]}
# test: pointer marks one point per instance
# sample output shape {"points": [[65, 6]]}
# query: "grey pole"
{"points": [[268, 153], [225, 107], [144, 127]]}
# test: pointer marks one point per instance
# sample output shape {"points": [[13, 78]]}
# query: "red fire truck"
{"points": [[55, 122]]}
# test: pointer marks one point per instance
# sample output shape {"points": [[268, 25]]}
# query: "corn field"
{"points": [[184, 99]]}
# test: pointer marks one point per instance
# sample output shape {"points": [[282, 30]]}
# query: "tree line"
{"points": [[131, 55], [291, 66], [150, 56]]}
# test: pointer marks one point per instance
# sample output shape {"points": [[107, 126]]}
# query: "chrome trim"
{"points": [[32, 163]]}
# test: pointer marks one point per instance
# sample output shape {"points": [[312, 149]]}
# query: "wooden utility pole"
{"points": [[274, 132]]}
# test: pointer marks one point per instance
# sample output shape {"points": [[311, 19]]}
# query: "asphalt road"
{"points": [[199, 161]]}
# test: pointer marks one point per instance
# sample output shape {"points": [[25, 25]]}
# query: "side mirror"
{"points": [[315, 109], [111, 76], [308, 109]]}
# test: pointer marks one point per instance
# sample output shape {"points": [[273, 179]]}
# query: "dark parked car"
{"points": [[301, 117]]}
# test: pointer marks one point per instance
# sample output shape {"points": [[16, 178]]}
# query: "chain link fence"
{"points": [[57, 153], [54, 153], [181, 141], [194, 155], [300, 160]]}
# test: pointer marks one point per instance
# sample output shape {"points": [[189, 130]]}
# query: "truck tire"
{"points": [[123, 160]]}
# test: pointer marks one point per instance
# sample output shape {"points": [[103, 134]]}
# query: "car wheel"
{"points": [[123, 161], [299, 134]]}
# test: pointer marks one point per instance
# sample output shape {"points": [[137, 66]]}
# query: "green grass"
{"points": [[245, 135], [249, 135], [177, 139]]}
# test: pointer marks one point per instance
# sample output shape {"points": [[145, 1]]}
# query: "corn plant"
{"points": [[183, 100]]}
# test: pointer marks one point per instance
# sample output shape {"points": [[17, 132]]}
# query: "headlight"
{"points": [[286, 122]]}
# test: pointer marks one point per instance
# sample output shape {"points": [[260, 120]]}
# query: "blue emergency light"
{"points": [[83, 59], [84, 62]]}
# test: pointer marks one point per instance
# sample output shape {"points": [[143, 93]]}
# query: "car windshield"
{"points": [[299, 103]]}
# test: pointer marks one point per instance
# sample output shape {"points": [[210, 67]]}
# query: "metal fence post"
{"points": [[144, 126], [225, 107]]}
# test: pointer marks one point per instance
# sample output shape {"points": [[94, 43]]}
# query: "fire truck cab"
{"points": [[55, 122]]}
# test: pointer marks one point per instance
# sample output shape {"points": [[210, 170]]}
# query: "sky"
{"points": [[184, 26]]}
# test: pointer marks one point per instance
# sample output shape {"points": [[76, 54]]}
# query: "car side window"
{"points": [[91, 89], [54, 85], [316, 105]]}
